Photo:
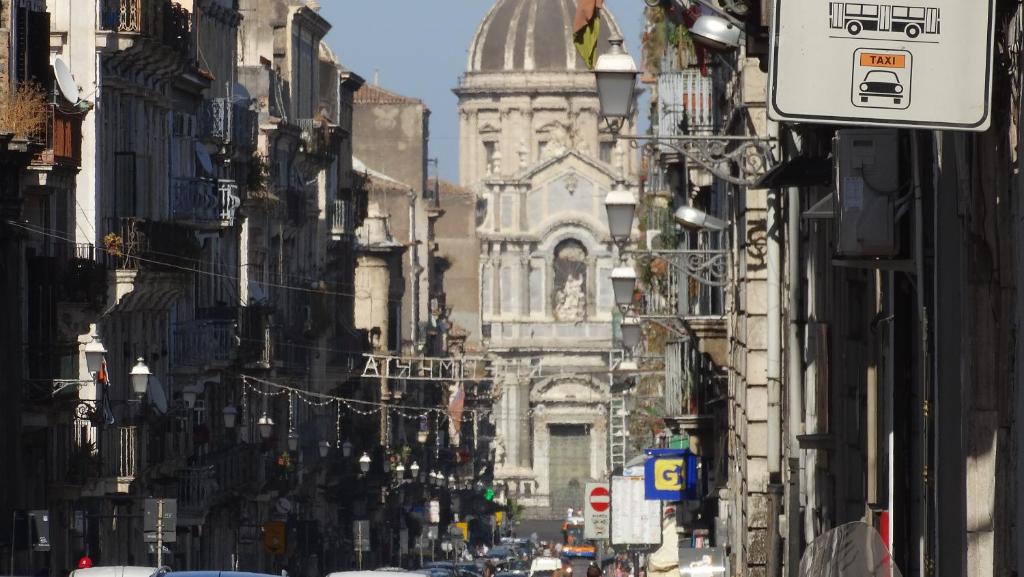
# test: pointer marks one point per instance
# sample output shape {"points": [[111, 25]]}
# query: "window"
{"points": [[606, 151], [489, 150], [570, 281], [899, 12]]}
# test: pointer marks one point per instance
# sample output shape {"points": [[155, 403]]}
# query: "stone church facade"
{"points": [[533, 150]]}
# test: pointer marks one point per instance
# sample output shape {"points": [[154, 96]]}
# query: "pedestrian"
{"points": [[594, 571]]}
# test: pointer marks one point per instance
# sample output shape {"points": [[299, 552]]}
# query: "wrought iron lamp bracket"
{"points": [[708, 267], [719, 155]]}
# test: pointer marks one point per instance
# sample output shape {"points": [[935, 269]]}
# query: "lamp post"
{"points": [[140, 374], [324, 447], [346, 449], [621, 207], [265, 426], [616, 74], [364, 463], [414, 470], [623, 284], [230, 413], [94, 352], [293, 441]]}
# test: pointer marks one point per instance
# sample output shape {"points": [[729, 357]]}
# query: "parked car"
{"points": [[545, 566], [118, 571]]}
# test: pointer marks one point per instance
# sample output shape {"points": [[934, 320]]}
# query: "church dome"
{"points": [[532, 35]]}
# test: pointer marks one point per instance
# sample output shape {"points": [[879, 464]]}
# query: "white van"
{"points": [[545, 566], [116, 571]]}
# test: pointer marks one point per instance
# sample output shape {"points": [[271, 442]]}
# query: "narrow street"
{"points": [[300, 288]]}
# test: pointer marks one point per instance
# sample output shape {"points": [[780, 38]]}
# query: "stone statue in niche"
{"points": [[571, 300]]}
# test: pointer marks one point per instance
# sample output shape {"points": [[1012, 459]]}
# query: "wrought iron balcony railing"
{"points": [[681, 283], [342, 218], [166, 21], [195, 488], [135, 243], [230, 122], [204, 202], [316, 137], [203, 343], [119, 455]]}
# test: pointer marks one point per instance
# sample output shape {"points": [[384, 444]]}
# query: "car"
{"points": [[381, 572], [459, 570], [118, 571], [218, 574], [881, 84], [545, 566]]}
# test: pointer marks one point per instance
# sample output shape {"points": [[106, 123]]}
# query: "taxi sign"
{"points": [[912, 63]]}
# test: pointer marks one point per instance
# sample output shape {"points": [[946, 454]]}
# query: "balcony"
{"points": [[238, 471], [119, 458], [196, 489], [203, 344], [256, 334], [343, 220], [316, 138], [139, 244], [72, 272], [162, 20], [62, 139], [681, 284], [229, 122], [203, 202]]}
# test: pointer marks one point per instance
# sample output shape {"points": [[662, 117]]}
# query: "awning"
{"points": [[149, 296], [800, 171], [824, 209]]}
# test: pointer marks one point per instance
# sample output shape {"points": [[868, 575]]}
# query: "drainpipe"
{"points": [[774, 338], [925, 362], [775, 488], [794, 384], [414, 274]]}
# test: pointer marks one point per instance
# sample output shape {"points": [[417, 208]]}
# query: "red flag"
{"points": [[101, 375]]}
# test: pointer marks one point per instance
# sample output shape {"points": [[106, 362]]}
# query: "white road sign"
{"points": [[910, 63], [636, 522], [597, 516]]}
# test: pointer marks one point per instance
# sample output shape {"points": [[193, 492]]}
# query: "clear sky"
{"points": [[420, 47]]}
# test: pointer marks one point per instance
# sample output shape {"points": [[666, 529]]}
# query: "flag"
{"points": [[586, 29], [456, 404]]}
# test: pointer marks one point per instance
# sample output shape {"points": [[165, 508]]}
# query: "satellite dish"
{"points": [[65, 81], [241, 94], [204, 158]]}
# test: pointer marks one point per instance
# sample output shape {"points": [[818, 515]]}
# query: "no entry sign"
{"points": [[596, 515], [600, 499]]}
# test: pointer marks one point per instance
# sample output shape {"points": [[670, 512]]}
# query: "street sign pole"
{"points": [[160, 533]]}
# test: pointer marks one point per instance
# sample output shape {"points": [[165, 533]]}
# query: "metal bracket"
{"points": [[719, 155]]}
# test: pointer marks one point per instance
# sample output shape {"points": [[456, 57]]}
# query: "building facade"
{"points": [[540, 163]]}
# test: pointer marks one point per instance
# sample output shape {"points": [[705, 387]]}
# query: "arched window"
{"points": [[570, 288]]}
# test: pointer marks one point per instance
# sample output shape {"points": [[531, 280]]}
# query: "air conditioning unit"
{"points": [[868, 185]]}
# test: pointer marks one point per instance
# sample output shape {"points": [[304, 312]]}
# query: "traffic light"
{"points": [[489, 493]]}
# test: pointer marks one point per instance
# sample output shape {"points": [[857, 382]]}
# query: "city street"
{"points": [[511, 288]]}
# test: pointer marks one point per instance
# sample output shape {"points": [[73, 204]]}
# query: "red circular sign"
{"points": [[600, 500]]}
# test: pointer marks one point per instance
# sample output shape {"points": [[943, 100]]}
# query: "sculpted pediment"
{"points": [[569, 389]]}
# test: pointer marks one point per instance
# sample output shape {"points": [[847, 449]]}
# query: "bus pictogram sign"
{"points": [[915, 63]]}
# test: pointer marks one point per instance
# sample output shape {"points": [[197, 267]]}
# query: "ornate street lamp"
{"points": [[621, 206], [265, 426], [364, 463], [94, 352], [414, 470], [695, 219], [293, 441], [230, 413], [324, 447], [451, 481], [623, 285], [346, 449], [632, 331], [140, 377], [616, 74]]}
